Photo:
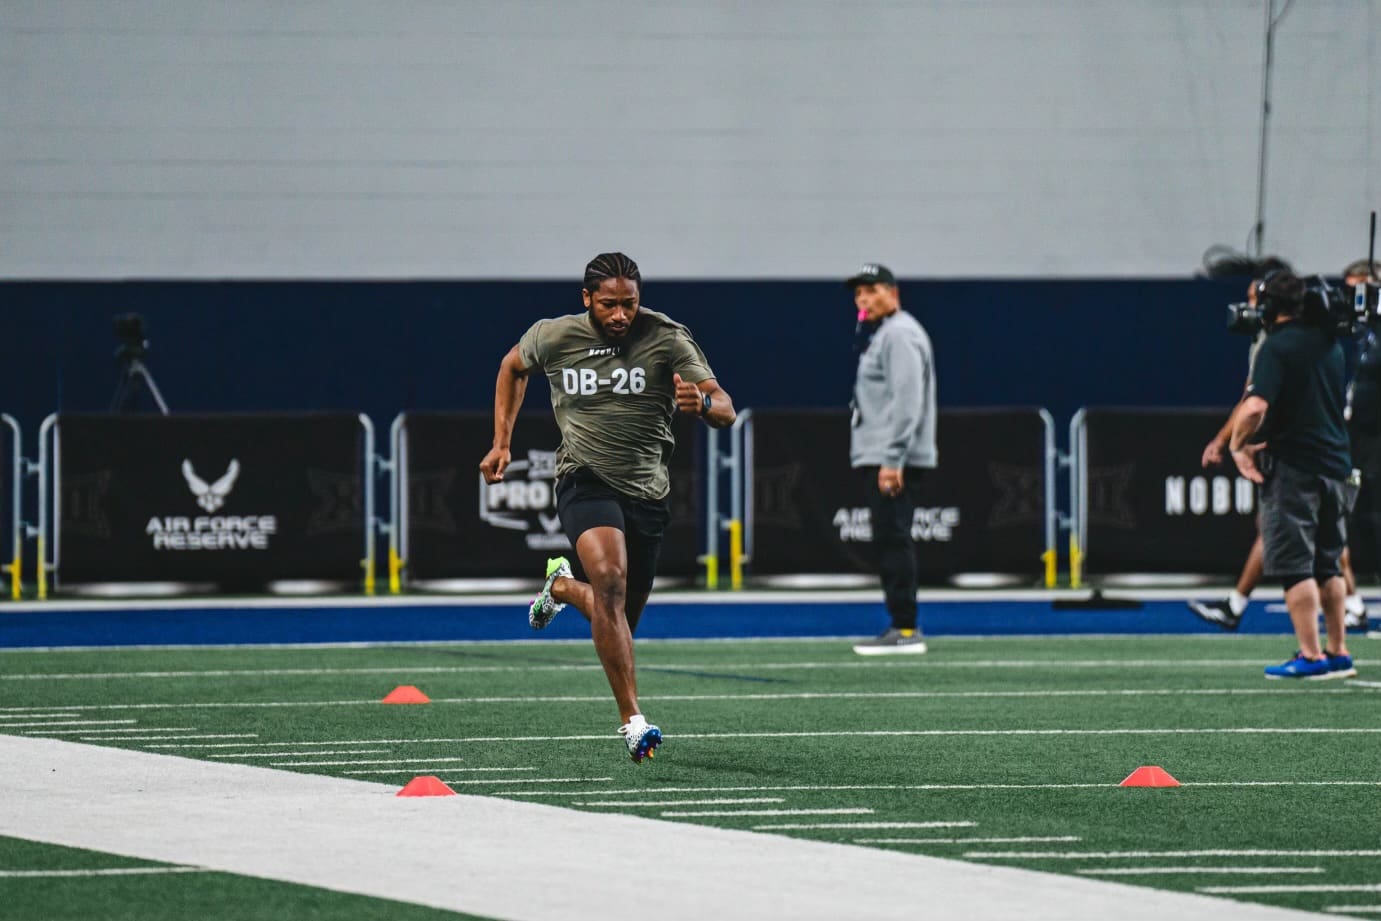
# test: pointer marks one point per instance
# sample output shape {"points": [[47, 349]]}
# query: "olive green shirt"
{"points": [[614, 401]]}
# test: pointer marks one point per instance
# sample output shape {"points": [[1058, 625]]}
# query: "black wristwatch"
{"points": [[706, 404]]}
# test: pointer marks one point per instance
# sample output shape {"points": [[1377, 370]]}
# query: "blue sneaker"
{"points": [[1340, 666], [641, 737], [544, 607], [1300, 667]]}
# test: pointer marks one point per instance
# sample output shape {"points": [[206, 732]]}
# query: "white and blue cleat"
{"points": [[642, 738]]}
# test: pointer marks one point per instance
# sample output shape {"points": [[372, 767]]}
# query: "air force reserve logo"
{"points": [[525, 501], [210, 496], [211, 531]]}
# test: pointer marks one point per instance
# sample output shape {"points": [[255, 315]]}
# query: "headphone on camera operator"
{"points": [[1282, 297]]}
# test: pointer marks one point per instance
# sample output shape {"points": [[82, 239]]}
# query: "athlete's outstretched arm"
{"points": [[689, 399], [509, 391]]}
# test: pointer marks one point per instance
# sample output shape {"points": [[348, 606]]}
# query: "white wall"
{"points": [[724, 138]]}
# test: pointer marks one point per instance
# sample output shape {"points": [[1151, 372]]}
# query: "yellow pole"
{"points": [[736, 554], [1076, 563], [1051, 564], [395, 571], [711, 571], [368, 575], [42, 572]]}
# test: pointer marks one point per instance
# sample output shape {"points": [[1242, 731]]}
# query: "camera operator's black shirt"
{"points": [[1300, 372]]}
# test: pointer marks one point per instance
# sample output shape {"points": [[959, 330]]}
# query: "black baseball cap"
{"points": [[871, 274]]}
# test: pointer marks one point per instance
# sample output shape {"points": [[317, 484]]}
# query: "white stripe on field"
{"points": [[387, 771], [17, 712], [368, 761], [351, 751], [625, 804], [282, 743], [92, 732], [1141, 855], [1355, 909], [123, 871], [911, 733], [404, 671], [966, 840], [1152, 871], [65, 723], [962, 786], [843, 810], [496, 780], [205, 735], [868, 825], [164, 738], [1267, 890]]}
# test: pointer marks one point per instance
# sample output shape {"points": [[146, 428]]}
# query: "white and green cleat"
{"points": [[544, 607]]}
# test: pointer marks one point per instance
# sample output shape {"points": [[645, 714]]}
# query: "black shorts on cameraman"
{"points": [[1303, 524]]}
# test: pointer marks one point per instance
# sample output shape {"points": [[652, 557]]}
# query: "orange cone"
{"points": [[406, 694], [427, 785], [1149, 776]]}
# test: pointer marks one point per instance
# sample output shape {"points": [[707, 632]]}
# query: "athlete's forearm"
{"points": [[721, 413], [509, 390]]}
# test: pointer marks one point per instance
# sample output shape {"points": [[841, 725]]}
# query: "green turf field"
{"points": [[990, 750]]}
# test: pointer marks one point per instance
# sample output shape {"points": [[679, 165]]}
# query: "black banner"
{"points": [[1151, 505], [982, 508], [460, 527], [238, 500], [7, 445]]}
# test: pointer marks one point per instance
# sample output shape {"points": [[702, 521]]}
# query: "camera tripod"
{"points": [[134, 376]]}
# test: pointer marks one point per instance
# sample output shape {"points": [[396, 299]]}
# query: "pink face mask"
{"points": [[862, 314]]}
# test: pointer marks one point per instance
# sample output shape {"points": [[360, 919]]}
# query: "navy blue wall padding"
{"points": [[382, 347]]}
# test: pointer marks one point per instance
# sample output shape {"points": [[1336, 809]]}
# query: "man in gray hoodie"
{"points": [[892, 442]]}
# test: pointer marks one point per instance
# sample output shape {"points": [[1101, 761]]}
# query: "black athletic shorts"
{"points": [[584, 501], [1303, 523]]}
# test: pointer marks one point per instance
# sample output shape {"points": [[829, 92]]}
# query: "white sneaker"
{"points": [[641, 737], [544, 607], [891, 642]]}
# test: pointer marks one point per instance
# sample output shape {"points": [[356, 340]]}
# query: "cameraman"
{"points": [[1294, 404], [1228, 612]]}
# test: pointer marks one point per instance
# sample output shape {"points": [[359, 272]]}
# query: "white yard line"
{"points": [[866, 825], [965, 786], [1142, 855], [365, 761], [657, 804], [404, 671], [841, 810], [92, 732], [1173, 871], [158, 738], [1048, 839], [1268, 890], [386, 772], [474, 854], [6, 726], [291, 754], [113, 871], [207, 735], [1355, 909], [502, 780]]}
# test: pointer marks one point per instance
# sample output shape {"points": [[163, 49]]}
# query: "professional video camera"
{"points": [[1342, 310]]}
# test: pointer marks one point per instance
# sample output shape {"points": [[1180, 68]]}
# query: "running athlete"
{"points": [[618, 373]]}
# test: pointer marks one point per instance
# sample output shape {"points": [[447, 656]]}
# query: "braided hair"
{"points": [[611, 265]]}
